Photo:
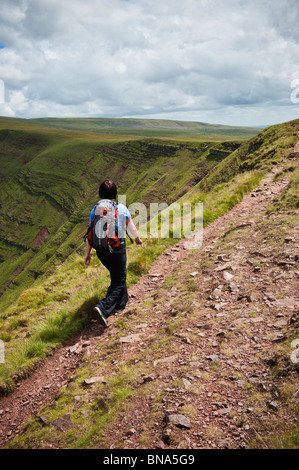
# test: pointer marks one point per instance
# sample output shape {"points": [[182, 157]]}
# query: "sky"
{"points": [[230, 62]]}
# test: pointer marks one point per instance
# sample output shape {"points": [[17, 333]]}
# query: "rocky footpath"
{"points": [[206, 341]]}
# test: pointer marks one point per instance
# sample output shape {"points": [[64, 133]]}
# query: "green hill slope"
{"points": [[152, 128], [49, 182], [46, 197], [201, 357]]}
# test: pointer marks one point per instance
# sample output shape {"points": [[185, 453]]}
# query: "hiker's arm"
{"points": [[87, 254], [133, 231]]}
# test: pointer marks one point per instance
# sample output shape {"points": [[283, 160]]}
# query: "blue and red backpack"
{"points": [[103, 230]]}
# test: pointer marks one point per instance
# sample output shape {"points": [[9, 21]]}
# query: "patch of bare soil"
{"points": [[204, 418], [42, 235]]}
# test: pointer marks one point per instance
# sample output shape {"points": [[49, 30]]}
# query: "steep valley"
{"points": [[50, 179], [200, 358]]}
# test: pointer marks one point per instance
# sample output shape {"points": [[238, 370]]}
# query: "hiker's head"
{"points": [[107, 190]]}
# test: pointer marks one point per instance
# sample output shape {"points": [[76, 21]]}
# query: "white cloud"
{"points": [[190, 58]]}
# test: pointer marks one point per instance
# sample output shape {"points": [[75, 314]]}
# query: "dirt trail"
{"points": [[42, 386], [242, 213]]}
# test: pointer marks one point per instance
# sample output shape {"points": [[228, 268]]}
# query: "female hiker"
{"points": [[112, 251]]}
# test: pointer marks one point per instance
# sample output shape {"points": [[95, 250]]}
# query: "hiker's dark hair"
{"points": [[108, 190]]}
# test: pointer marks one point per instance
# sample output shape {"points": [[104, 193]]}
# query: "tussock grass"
{"points": [[290, 197], [226, 195]]}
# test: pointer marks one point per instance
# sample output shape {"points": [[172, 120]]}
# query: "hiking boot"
{"points": [[101, 317]]}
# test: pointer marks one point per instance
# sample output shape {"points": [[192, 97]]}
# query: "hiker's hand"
{"points": [[138, 241], [87, 259]]}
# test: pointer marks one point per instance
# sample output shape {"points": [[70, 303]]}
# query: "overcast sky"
{"points": [[227, 61]]}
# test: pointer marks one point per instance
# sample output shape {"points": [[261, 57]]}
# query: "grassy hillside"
{"points": [[216, 351], [49, 182], [152, 128], [48, 190]]}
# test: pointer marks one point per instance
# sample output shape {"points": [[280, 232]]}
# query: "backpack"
{"points": [[103, 229]]}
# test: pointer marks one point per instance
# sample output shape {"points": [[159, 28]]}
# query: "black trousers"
{"points": [[117, 294]]}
